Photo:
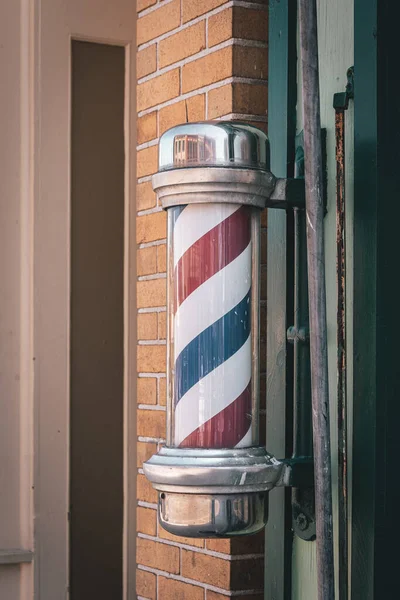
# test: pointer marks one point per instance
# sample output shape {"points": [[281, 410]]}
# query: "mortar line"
{"points": [[155, 243], [196, 92], [202, 54], [205, 551], [152, 277], [206, 586], [183, 26]]}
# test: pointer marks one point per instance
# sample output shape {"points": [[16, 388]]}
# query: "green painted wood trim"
{"points": [[365, 273], [376, 491], [281, 131]]}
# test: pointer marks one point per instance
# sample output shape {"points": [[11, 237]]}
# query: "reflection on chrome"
{"points": [[214, 143], [193, 149], [222, 515]]}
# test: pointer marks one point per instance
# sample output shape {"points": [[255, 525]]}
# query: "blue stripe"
{"points": [[212, 347]]}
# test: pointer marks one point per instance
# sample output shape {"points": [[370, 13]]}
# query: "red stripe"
{"points": [[225, 429], [211, 253]]}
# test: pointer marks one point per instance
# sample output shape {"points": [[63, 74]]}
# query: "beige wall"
{"points": [[15, 307], [34, 292]]}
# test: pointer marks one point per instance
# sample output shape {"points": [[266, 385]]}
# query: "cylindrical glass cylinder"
{"points": [[213, 326]]}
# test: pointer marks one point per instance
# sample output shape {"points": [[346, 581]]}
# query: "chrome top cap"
{"points": [[214, 144]]}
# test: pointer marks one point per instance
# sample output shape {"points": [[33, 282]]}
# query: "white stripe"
{"points": [[213, 393], [194, 222], [212, 300], [247, 440]]}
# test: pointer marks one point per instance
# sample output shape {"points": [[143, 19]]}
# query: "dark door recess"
{"points": [[97, 252]]}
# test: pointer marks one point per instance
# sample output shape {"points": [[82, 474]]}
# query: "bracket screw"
{"points": [[302, 521]]}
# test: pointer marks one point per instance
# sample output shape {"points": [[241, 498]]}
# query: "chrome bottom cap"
{"points": [[211, 516], [213, 472]]}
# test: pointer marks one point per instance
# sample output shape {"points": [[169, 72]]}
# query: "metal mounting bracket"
{"points": [[341, 99], [303, 506], [229, 488], [288, 193]]}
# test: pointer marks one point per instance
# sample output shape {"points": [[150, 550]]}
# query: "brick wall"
{"points": [[197, 59]]}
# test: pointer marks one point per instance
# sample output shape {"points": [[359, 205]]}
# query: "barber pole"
{"points": [[212, 347], [212, 475]]}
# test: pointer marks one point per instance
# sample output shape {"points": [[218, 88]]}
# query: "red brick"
{"points": [[191, 109], [147, 128], [142, 4], [209, 69], [147, 390], [185, 43], [162, 325], [238, 22], [205, 568], [250, 62], [158, 22], [158, 89], [146, 61], [146, 584], [145, 196], [250, 24], [150, 228], [229, 575], [151, 359], [220, 27], [248, 544], [238, 98], [195, 8], [157, 555], [161, 258], [250, 98], [147, 325], [219, 545], [151, 423], [170, 589], [151, 293], [146, 261], [220, 101], [146, 520], [144, 490], [147, 161], [162, 391], [144, 451], [247, 574]]}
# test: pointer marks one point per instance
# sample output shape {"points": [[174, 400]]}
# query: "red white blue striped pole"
{"points": [[212, 340]]}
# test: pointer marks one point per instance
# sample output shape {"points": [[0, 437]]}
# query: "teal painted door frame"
{"points": [[376, 490], [376, 441], [281, 132]]}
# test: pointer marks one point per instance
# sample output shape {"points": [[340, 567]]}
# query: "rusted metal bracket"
{"points": [[340, 104]]}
